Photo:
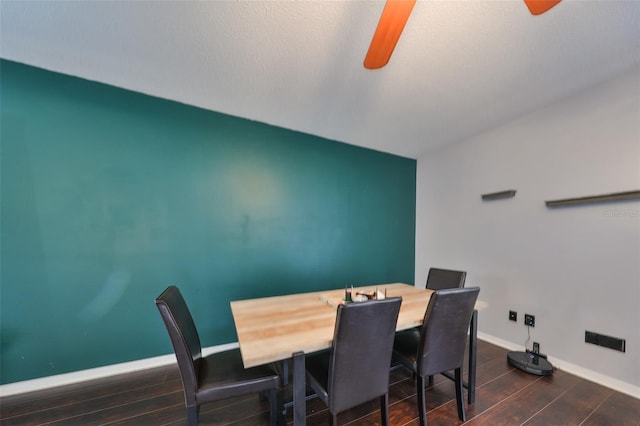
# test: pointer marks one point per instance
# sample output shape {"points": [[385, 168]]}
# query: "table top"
{"points": [[273, 328]]}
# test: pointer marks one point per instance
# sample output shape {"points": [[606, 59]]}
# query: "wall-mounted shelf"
{"points": [[499, 195], [616, 196]]}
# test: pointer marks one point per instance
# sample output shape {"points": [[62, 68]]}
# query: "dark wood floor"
{"points": [[504, 397]]}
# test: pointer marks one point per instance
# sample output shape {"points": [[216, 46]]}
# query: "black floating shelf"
{"points": [[616, 196], [498, 195]]}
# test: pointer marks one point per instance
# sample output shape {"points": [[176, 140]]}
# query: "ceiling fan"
{"points": [[395, 16]]}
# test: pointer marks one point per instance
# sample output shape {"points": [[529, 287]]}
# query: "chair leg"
{"points": [[430, 381], [192, 415], [422, 403], [333, 420], [459, 397], [384, 409]]}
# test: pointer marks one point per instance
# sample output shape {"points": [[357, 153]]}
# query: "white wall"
{"points": [[574, 268]]}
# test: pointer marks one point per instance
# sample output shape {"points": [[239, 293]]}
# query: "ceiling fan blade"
{"points": [[538, 7], [392, 21]]}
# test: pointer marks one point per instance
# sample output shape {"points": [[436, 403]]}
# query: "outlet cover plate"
{"points": [[529, 320]]}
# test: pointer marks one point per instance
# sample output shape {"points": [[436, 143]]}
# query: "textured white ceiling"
{"points": [[461, 67]]}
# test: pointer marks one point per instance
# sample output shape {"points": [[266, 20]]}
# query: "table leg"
{"points": [[285, 371], [299, 389], [473, 354]]}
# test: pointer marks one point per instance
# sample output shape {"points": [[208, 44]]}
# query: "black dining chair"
{"points": [[217, 376], [356, 368], [439, 345], [439, 279]]}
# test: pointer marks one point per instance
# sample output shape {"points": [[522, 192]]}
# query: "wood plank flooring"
{"points": [[505, 396]]}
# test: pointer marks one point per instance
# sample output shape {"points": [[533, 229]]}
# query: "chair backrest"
{"points": [[184, 338], [361, 352], [443, 337], [439, 279]]}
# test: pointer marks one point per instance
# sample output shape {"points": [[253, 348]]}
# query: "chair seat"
{"points": [[222, 375], [405, 346]]}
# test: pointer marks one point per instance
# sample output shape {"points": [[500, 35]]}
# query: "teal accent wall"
{"points": [[109, 196]]}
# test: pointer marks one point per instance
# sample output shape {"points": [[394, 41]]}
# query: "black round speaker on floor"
{"points": [[530, 362]]}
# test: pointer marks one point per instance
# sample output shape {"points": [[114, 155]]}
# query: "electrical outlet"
{"points": [[529, 320], [513, 316], [536, 348]]}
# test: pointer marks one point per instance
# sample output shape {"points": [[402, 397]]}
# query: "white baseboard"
{"points": [[576, 370], [128, 367], [99, 372]]}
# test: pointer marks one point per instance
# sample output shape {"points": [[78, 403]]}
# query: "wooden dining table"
{"points": [[279, 328]]}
